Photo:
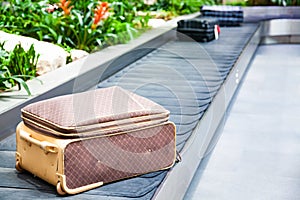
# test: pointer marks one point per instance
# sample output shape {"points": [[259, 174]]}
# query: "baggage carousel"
{"points": [[195, 81]]}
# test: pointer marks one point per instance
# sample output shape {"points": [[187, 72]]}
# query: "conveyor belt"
{"points": [[182, 76]]}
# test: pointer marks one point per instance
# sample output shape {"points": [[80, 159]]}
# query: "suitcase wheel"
{"points": [[18, 167], [59, 189]]}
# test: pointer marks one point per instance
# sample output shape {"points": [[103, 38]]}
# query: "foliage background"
{"points": [[31, 18]]}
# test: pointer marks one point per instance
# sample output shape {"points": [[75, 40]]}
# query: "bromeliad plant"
{"points": [[87, 25], [99, 24], [65, 6], [100, 13], [66, 25]]}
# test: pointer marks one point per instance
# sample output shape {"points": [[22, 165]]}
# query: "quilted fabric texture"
{"points": [[108, 107], [108, 159]]}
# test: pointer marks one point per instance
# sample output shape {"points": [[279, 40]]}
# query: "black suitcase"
{"points": [[226, 15], [199, 29]]}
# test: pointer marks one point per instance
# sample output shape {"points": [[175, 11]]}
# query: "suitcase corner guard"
{"points": [[62, 188], [18, 162]]}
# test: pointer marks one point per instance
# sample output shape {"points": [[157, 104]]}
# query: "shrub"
{"points": [[16, 67], [175, 7], [73, 24], [21, 62], [87, 25]]}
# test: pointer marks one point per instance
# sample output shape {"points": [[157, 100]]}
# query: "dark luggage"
{"points": [[81, 141], [226, 15], [199, 29]]}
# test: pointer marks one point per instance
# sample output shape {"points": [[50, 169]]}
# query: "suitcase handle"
{"points": [[46, 146]]}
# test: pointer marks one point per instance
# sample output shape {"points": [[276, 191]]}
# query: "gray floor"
{"points": [[258, 153]]}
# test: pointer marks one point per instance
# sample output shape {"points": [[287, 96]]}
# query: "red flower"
{"points": [[65, 5], [101, 12]]}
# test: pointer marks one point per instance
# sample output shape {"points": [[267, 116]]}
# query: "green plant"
{"points": [[175, 7], [16, 67], [87, 25], [18, 16], [123, 24], [237, 3], [7, 81], [21, 62]]}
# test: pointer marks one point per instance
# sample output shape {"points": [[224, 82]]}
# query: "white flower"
{"points": [[149, 2]]}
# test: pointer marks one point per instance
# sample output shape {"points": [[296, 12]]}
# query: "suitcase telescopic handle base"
{"points": [[46, 146]]}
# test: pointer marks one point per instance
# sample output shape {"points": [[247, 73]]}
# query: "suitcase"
{"points": [[226, 15], [116, 135], [199, 29]]}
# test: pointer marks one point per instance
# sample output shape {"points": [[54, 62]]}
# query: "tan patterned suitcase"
{"points": [[82, 141]]}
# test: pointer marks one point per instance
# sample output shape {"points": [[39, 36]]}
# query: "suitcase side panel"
{"points": [[116, 157], [198, 23], [40, 155], [199, 37]]}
